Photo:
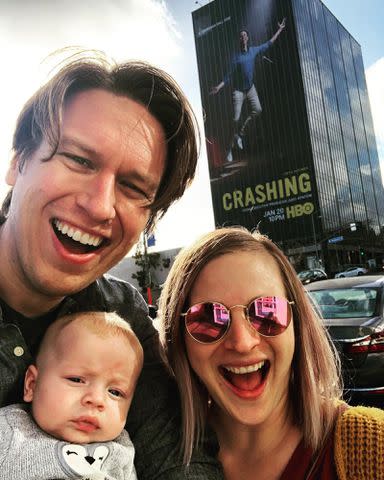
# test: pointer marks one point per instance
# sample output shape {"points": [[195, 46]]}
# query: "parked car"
{"points": [[308, 276], [352, 311], [352, 272]]}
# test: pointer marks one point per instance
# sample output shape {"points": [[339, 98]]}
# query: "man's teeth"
{"points": [[247, 369], [78, 235]]}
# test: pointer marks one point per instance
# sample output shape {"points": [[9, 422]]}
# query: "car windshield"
{"points": [[345, 302]]}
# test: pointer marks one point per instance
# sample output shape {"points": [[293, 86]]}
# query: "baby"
{"points": [[80, 389]]}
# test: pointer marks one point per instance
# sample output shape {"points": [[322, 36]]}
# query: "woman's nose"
{"points": [[241, 337]]}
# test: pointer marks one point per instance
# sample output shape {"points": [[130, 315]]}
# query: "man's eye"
{"points": [[84, 162], [136, 192], [81, 160]]}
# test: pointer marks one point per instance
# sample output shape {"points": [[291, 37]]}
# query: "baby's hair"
{"points": [[103, 324]]}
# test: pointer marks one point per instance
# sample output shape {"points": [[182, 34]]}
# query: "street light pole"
{"points": [[147, 269], [315, 240]]}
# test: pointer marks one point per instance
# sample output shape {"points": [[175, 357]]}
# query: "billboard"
{"points": [[256, 127]]}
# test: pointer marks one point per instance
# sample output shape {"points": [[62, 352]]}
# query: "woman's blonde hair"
{"points": [[315, 377]]}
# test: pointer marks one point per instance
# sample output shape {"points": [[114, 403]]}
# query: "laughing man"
{"points": [[99, 154]]}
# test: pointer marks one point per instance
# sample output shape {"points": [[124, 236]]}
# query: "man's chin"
{"points": [[60, 285]]}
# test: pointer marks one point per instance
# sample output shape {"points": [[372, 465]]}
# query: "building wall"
{"points": [[344, 148]]}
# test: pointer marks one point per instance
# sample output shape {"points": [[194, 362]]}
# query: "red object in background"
{"points": [[149, 295], [215, 154]]}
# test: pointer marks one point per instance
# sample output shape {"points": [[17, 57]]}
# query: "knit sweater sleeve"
{"points": [[359, 444]]}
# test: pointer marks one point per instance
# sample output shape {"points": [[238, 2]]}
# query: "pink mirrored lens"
{"points": [[207, 322], [270, 316]]}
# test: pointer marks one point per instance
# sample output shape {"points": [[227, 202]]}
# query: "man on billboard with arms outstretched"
{"points": [[241, 75]]}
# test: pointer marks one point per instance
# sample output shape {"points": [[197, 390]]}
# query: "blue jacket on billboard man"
{"points": [[241, 77]]}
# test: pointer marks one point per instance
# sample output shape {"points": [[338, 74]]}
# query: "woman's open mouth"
{"points": [[246, 381]]}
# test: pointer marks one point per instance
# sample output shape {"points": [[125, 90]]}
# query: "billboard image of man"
{"points": [[259, 163], [241, 76]]}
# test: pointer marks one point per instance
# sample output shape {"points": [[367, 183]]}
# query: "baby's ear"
{"points": [[30, 383]]}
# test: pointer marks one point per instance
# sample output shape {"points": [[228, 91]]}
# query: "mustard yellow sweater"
{"points": [[359, 444]]}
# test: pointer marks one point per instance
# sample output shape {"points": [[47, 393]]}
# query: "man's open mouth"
{"points": [[76, 240], [248, 377]]}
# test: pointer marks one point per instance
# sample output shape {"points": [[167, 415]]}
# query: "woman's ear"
{"points": [[13, 171], [30, 383]]}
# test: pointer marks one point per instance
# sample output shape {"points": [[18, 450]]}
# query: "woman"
{"points": [[252, 359]]}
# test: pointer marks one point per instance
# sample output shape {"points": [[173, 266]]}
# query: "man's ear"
{"points": [[30, 383], [13, 171]]}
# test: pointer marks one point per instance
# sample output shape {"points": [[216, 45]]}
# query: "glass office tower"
{"points": [[289, 133]]}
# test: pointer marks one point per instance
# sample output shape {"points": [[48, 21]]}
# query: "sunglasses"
{"points": [[208, 322]]}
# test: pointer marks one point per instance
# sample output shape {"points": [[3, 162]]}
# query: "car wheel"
{"points": [[360, 273], [341, 276]]}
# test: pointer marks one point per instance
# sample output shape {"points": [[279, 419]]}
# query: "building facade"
{"points": [[289, 132]]}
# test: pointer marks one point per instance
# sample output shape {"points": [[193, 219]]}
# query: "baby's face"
{"points": [[82, 390]]}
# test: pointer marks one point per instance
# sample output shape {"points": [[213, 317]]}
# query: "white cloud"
{"points": [[375, 84], [124, 28], [31, 31]]}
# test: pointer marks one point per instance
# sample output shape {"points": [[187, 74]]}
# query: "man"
{"points": [[100, 153], [241, 76]]}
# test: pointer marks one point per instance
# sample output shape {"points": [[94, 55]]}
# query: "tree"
{"points": [[147, 263]]}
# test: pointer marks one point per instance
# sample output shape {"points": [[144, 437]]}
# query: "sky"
{"points": [[160, 32]]}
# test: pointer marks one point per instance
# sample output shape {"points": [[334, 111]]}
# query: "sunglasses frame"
{"points": [[245, 310]]}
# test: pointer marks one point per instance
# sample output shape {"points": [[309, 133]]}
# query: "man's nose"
{"points": [[98, 198], [242, 337]]}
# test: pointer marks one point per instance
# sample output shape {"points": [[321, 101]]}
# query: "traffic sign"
{"points": [[336, 239]]}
